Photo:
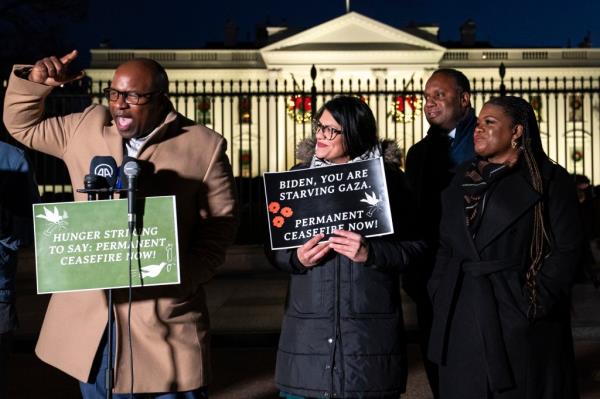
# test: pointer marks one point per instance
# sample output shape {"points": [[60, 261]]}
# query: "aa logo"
{"points": [[104, 170]]}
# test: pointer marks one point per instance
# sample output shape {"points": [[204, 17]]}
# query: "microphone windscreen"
{"points": [[131, 169], [122, 176], [106, 167], [94, 182]]}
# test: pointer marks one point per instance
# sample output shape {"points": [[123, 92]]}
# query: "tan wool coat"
{"points": [[169, 324]]}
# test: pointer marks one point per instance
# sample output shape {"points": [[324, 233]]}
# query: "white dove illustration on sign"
{"points": [[370, 199], [373, 201], [57, 220], [152, 270]]}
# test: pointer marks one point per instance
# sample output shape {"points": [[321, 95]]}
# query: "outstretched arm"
{"points": [[24, 103], [54, 71]]}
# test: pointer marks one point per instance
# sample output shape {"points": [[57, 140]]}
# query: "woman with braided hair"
{"points": [[510, 243]]}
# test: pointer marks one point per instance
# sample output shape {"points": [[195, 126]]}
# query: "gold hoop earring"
{"points": [[513, 144]]}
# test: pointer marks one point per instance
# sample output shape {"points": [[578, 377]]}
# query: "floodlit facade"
{"points": [[260, 99]]}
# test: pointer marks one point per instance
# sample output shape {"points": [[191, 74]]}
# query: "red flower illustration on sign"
{"points": [[278, 221], [287, 211], [274, 207]]}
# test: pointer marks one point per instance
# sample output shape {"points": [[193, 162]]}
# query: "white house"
{"points": [[259, 98]]}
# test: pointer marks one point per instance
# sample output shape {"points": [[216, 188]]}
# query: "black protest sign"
{"points": [[305, 202]]}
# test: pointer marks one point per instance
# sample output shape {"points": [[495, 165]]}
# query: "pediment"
{"points": [[352, 31]]}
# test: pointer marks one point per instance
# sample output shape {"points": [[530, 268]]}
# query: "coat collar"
{"points": [[390, 151], [148, 147], [508, 200], [456, 207]]}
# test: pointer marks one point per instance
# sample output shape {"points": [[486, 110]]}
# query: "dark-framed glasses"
{"points": [[130, 97], [329, 132]]}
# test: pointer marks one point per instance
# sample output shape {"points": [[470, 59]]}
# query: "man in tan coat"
{"points": [[169, 324]]}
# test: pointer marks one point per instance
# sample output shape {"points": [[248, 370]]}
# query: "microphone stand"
{"points": [[131, 170], [93, 188]]}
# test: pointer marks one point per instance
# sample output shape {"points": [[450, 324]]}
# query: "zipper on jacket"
{"points": [[336, 331], [341, 369]]}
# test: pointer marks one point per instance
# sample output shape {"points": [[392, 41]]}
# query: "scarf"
{"points": [[478, 179], [372, 153], [461, 147]]}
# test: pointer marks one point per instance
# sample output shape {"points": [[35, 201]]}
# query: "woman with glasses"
{"points": [[509, 245], [343, 332]]}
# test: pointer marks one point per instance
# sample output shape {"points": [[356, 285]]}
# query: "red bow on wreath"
{"points": [[301, 103], [401, 100]]}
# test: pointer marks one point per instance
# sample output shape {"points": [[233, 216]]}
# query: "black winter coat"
{"points": [[481, 336], [343, 332], [429, 169]]}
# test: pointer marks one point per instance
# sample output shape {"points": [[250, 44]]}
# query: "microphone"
{"points": [[131, 169], [121, 180], [99, 183], [91, 185], [105, 168]]}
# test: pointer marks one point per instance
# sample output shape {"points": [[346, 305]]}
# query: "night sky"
{"points": [[190, 24]]}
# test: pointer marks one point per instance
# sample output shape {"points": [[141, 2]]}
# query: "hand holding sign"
{"points": [[312, 252], [352, 245]]}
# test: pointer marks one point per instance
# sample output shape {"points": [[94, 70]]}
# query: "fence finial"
{"points": [[313, 89], [502, 72]]}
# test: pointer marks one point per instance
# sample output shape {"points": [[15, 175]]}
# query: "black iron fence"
{"points": [[264, 120]]}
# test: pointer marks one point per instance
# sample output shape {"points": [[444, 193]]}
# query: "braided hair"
{"points": [[530, 146]]}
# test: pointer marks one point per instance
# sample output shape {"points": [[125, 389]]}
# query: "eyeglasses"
{"points": [[130, 97], [329, 132]]}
